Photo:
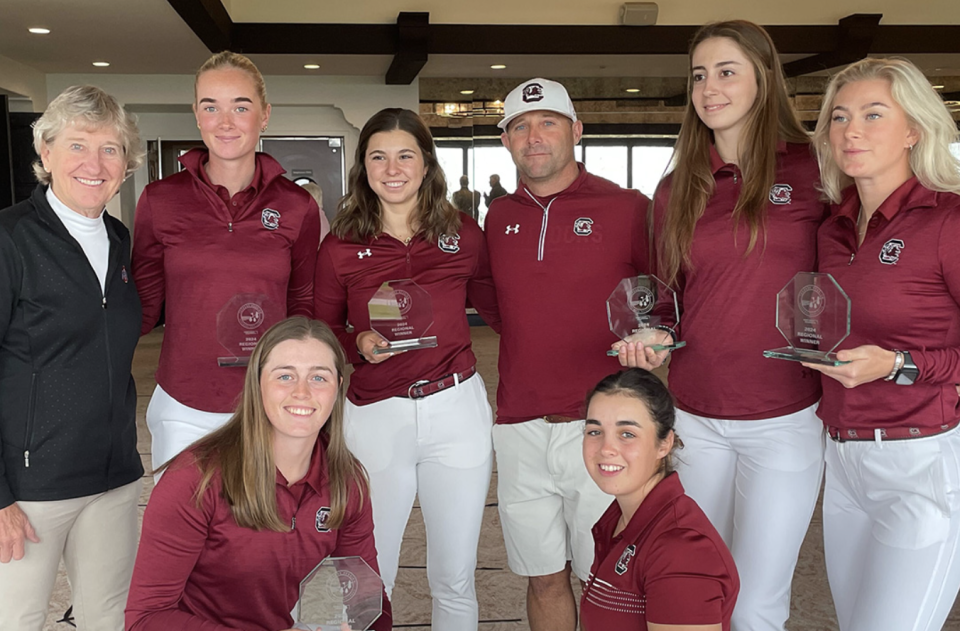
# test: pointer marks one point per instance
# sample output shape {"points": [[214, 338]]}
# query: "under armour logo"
{"points": [[514, 229], [363, 253]]}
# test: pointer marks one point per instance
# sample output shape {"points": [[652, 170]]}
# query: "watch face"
{"points": [[908, 373]]}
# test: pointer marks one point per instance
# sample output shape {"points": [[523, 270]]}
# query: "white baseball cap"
{"points": [[537, 94]]}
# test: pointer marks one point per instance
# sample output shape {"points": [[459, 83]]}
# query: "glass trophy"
{"points": [[643, 307], [340, 593], [401, 312], [240, 325], [813, 315]]}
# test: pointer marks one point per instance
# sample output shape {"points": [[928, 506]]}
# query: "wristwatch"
{"points": [[908, 372]]}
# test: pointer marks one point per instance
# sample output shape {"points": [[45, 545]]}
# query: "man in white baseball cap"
{"points": [[558, 247]]}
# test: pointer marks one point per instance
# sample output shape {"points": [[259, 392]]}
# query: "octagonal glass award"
{"points": [[813, 315], [340, 593], [401, 312], [646, 308], [241, 322]]}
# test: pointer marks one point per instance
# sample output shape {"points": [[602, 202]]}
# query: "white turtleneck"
{"points": [[91, 234]]}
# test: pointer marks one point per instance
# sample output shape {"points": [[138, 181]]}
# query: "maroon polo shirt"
{"points": [[729, 299], [450, 269], [197, 570], [668, 566], [904, 287], [554, 265], [195, 247]]}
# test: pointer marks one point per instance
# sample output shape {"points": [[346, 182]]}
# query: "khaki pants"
{"points": [[96, 536]]}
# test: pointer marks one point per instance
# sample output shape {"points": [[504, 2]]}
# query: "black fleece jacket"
{"points": [[67, 399]]}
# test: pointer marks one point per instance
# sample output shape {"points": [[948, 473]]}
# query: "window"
{"points": [[649, 165]]}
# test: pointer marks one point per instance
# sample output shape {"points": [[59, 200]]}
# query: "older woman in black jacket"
{"points": [[69, 324]]}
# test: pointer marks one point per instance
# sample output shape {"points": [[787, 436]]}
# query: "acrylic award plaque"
{"points": [[643, 307], [401, 312], [813, 315], [340, 593], [241, 322]]}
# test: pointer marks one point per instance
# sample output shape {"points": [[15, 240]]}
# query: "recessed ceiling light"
{"points": [[101, 64], [497, 67], [468, 92], [938, 87], [312, 66], [632, 90], [39, 31]]}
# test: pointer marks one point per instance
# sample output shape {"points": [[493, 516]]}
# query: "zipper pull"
{"points": [[230, 227], [853, 255], [734, 177], [26, 459], [293, 523], [104, 302]]}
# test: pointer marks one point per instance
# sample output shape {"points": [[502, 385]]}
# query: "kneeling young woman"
{"points": [[659, 564], [244, 514]]}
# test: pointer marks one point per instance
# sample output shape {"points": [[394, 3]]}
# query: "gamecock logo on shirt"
{"points": [[890, 252], [449, 243], [323, 516], [624, 560], [270, 219], [780, 194], [583, 226]]}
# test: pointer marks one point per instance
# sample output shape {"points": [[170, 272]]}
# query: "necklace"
{"points": [[404, 240]]}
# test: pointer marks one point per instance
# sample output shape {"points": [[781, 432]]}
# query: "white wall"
{"points": [[24, 81]]}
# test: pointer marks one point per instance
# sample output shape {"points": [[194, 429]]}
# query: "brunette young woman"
{"points": [[246, 513], [419, 420], [659, 564], [732, 223], [891, 502], [226, 239]]}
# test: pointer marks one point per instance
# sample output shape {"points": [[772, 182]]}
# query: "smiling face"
{"points": [[395, 170], [86, 167], [541, 144], [621, 449], [870, 134], [229, 113], [299, 386], [724, 85]]}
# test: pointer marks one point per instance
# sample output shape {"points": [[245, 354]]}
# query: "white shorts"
{"points": [[548, 502]]}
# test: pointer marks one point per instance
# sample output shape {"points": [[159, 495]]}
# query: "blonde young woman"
{"points": [[239, 519], [891, 503], [228, 237], [733, 222]]}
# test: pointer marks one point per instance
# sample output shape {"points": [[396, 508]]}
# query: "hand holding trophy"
{"points": [[340, 594], [813, 315], [644, 309], [401, 312]]}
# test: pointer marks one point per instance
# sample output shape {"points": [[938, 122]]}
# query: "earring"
{"points": [[263, 129], [911, 147]]}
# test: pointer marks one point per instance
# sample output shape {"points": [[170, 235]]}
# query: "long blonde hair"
{"points": [[242, 450], [930, 159], [770, 120]]}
